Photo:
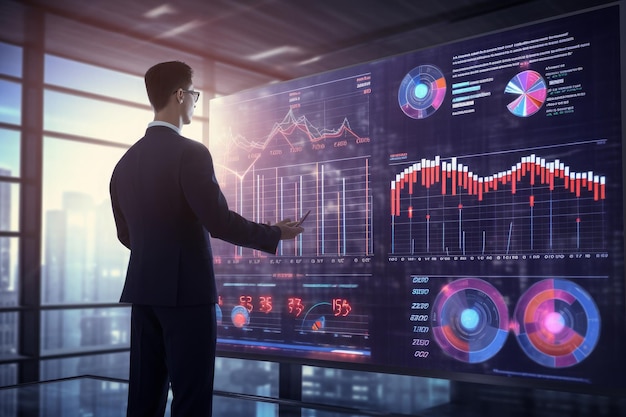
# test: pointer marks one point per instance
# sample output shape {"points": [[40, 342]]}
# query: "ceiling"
{"points": [[255, 42]]}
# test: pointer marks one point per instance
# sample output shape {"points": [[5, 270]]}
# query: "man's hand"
{"points": [[289, 229]]}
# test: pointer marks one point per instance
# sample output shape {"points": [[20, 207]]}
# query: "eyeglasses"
{"points": [[195, 94]]}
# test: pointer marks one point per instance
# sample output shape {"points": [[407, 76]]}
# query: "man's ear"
{"points": [[179, 95]]}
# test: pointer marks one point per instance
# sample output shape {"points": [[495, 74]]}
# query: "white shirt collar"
{"points": [[166, 124]]}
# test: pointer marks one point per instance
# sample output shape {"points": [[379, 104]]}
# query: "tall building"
{"points": [[84, 264], [396, 393], [8, 298], [5, 225], [8, 292]]}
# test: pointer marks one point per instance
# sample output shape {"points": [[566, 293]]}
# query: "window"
{"points": [[91, 79], [91, 118], [83, 262], [111, 365], [11, 62], [373, 391], [10, 114], [10, 102], [10, 155], [8, 290], [80, 330]]}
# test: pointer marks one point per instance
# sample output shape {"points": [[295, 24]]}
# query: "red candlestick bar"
{"points": [[536, 168]]}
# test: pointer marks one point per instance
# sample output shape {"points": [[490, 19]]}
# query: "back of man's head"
{"points": [[163, 79]]}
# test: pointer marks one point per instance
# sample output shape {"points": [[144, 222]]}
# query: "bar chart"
{"points": [[337, 192], [304, 149], [535, 206]]}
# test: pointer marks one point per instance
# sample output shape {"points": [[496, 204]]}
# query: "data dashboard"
{"points": [[466, 210]]}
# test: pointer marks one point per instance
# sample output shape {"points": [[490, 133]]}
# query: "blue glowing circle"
{"points": [[469, 318], [421, 90]]}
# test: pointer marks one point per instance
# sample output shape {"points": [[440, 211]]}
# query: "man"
{"points": [[166, 201]]}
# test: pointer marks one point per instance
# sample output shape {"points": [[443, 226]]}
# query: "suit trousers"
{"points": [[172, 345]]}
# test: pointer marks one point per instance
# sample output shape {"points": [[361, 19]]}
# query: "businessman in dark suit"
{"points": [[166, 201]]}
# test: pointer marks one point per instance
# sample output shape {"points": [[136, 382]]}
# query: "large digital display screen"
{"points": [[466, 211]]}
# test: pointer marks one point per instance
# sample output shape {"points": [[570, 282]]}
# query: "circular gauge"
{"points": [[240, 316], [557, 323], [315, 318], [422, 91], [470, 320]]}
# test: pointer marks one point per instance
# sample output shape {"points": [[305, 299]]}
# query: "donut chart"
{"points": [[470, 320], [531, 91], [557, 323], [422, 91], [240, 316]]}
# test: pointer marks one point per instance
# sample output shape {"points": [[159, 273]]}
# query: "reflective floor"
{"points": [[95, 397], [100, 397]]}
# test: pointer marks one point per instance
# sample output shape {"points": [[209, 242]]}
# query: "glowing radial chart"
{"points": [[530, 89], [470, 320], [557, 323], [240, 317], [422, 91]]}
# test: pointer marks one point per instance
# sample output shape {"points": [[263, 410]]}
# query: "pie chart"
{"points": [[529, 89]]}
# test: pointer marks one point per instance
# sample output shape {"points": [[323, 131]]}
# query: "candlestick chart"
{"points": [[536, 205]]}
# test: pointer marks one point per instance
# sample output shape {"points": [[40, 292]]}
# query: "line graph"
{"points": [[537, 205], [291, 135], [304, 149]]}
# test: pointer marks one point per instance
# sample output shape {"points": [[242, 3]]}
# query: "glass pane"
{"points": [[8, 331], [9, 205], [309, 412], [76, 75], [11, 62], [10, 102], [246, 377], [110, 365], [65, 331], [65, 113], [8, 376], [236, 407], [83, 262], [82, 398], [8, 402], [9, 289], [373, 391], [9, 153]]}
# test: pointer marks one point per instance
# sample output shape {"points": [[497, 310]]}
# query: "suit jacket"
{"points": [[165, 199]]}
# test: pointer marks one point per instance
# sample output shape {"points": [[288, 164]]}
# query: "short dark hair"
{"points": [[163, 79]]}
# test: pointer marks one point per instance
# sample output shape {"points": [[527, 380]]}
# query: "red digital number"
{"points": [[341, 307], [295, 306], [246, 301], [265, 304]]}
